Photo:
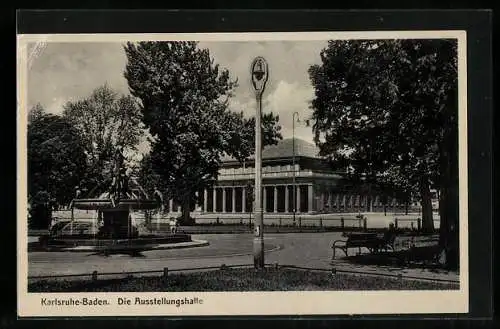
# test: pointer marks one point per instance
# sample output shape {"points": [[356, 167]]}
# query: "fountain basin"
{"points": [[89, 242]]}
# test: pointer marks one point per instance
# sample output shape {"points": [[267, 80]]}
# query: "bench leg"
{"points": [[344, 249]]}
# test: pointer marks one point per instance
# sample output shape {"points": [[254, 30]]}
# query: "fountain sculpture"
{"points": [[112, 227]]}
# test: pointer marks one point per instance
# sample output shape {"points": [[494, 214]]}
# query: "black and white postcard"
{"points": [[294, 173]]}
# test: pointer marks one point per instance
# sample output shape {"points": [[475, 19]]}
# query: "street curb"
{"points": [[181, 245]]}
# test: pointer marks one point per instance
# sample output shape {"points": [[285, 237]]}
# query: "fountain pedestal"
{"points": [[117, 224]]}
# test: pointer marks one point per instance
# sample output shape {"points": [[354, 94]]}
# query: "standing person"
{"points": [[173, 225]]}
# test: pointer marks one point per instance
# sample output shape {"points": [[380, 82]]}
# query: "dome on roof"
{"points": [[284, 149]]}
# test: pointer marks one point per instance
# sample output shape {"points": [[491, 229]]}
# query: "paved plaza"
{"points": [[300, 249]]}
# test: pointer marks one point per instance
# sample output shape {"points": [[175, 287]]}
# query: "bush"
{"points": [[40, 213]]}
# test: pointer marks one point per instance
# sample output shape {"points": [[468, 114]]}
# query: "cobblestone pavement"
{"points": [[298, 249]]}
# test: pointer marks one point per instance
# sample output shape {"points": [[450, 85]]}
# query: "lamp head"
{"points": [[259, 74]]}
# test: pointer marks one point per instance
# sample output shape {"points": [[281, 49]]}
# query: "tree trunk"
{"points": [[449, 204], [449, 230], [449, 213], [426, 202], [186, 211], [449, 192]]}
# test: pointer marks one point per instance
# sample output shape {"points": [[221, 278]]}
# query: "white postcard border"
{"points": [[245, 303]]}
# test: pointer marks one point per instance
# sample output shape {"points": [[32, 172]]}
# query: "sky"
{"points": [[62, 72]]}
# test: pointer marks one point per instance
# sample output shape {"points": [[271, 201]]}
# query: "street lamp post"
{"points": [[259, 75], [294, 187]]}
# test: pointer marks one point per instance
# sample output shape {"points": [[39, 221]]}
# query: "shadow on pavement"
{"points": [[418, 257], [131, 253]]}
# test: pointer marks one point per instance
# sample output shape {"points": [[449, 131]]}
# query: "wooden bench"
{"points": [[372, 241]]}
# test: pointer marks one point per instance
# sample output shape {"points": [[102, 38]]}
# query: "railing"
{"points": [[308, 222], [165, 272], [318, 221]]}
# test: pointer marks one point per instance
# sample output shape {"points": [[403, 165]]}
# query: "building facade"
{"points": [[293, 176]]}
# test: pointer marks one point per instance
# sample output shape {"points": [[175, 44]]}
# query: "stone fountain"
{"points": [[112, 227]]}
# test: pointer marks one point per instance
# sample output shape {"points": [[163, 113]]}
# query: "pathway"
{"points": [[299, 249]]}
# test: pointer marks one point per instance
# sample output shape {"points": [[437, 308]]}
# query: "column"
{"points": [[330, 201], [214, 201], [223, 199], [233, 207], [297, 202], [275, 198], [196, 205], [322, 201], [264, 198], [310, 198], [287, 208], [205, 200], [243, 199], [170, 205]]}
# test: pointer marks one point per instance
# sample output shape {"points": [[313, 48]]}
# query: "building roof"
{"points": [[284, 149]]}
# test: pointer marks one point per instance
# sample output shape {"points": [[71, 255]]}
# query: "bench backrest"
{"points": [[362, 236], [361, 239]]}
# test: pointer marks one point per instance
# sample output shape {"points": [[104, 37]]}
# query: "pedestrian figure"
{"points": [[173, 225]]}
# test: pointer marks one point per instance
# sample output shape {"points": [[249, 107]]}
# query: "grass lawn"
{"points": [[239, 280]]}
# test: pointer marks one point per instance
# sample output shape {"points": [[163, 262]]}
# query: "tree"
{"points": [[388, 108], [40, 212], [241, 144], [106, 121], [35, 112], [56, 162], [184, 97], [148, 178]]}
